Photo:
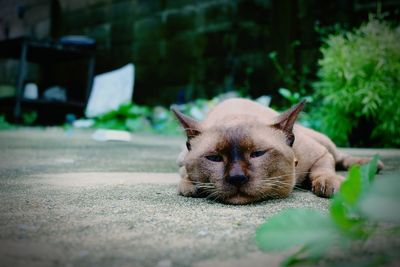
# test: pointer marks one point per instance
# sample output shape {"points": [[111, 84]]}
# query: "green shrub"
{"points": [[359, 86]]}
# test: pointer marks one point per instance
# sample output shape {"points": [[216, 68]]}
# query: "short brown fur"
{"points": [[244, 152]]}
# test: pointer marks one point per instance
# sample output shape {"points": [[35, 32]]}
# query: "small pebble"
{"points": [[203, 232]]}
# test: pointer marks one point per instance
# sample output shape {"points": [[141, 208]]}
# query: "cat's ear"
{"points": [[191, 126], [286, 120]]}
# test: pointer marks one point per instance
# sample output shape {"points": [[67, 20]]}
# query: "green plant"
{"points": [[29, 117], [127, 117], [4, 124], [293, 97], [359, 86], [132, 117], [296, 80], [360, 211]]}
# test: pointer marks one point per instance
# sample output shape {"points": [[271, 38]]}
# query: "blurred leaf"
{"points": [[350, 189], [368, 171], [355, 211], [4, 124], [139, 111], [300, 257], [339, 214], [297, 227], [29, 118], [272, 55], [344, 206], [124, 109], [285, 92], [382, 202], [133, 124]]}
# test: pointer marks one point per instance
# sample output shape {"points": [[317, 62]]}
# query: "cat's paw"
{"points": [[186, 188], [326, 185]]}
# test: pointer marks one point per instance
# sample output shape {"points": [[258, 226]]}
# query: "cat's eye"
{"points": [[215, 158], [257, 154]]}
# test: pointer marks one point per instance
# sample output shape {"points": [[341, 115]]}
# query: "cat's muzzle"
{"points": [[237, 180]]}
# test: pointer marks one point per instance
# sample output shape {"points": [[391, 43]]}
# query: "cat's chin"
{"points": [[243, 197], [239, 199]]}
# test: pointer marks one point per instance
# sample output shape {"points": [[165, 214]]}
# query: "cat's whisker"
{"points": [[275, 186], [195, 182], [284, 175], [205, 187], [262, 194], [273, 177], [214, 195], [301, 189], [283, 183], [276, 183], [268, 195]]}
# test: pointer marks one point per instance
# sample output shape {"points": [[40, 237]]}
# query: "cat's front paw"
{"points": [[326, 185], [186, 188]]}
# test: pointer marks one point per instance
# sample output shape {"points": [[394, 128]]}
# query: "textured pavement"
{"points": [[67, 200]]}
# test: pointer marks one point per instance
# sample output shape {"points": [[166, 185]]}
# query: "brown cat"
{"points": [[244, 152]]}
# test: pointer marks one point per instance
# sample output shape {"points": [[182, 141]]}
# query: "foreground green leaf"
{"points": [[356, 214], [340, 214], [344, 206], [368, 171], [297, 227], [382, 202], [350, 190]]}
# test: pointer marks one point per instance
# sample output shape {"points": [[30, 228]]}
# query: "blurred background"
{"points": [[342, 56]]}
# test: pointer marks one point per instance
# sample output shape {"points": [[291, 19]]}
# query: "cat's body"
{"points": [[244, 152]]}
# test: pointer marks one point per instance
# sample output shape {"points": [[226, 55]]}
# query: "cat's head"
{"points": [[241, 164]]}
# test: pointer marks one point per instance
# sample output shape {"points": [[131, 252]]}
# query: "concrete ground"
{"points": [[67, 200]]}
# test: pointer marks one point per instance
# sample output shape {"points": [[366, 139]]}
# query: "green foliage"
{"points": [[359, 84], [297, 84], [293, 97], [302, 226], [4, 124], [29, 117], [132, 117], [355, 215], [296, 81]]}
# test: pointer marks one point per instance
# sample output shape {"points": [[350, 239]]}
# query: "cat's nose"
{"points": [[237, 180]]}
